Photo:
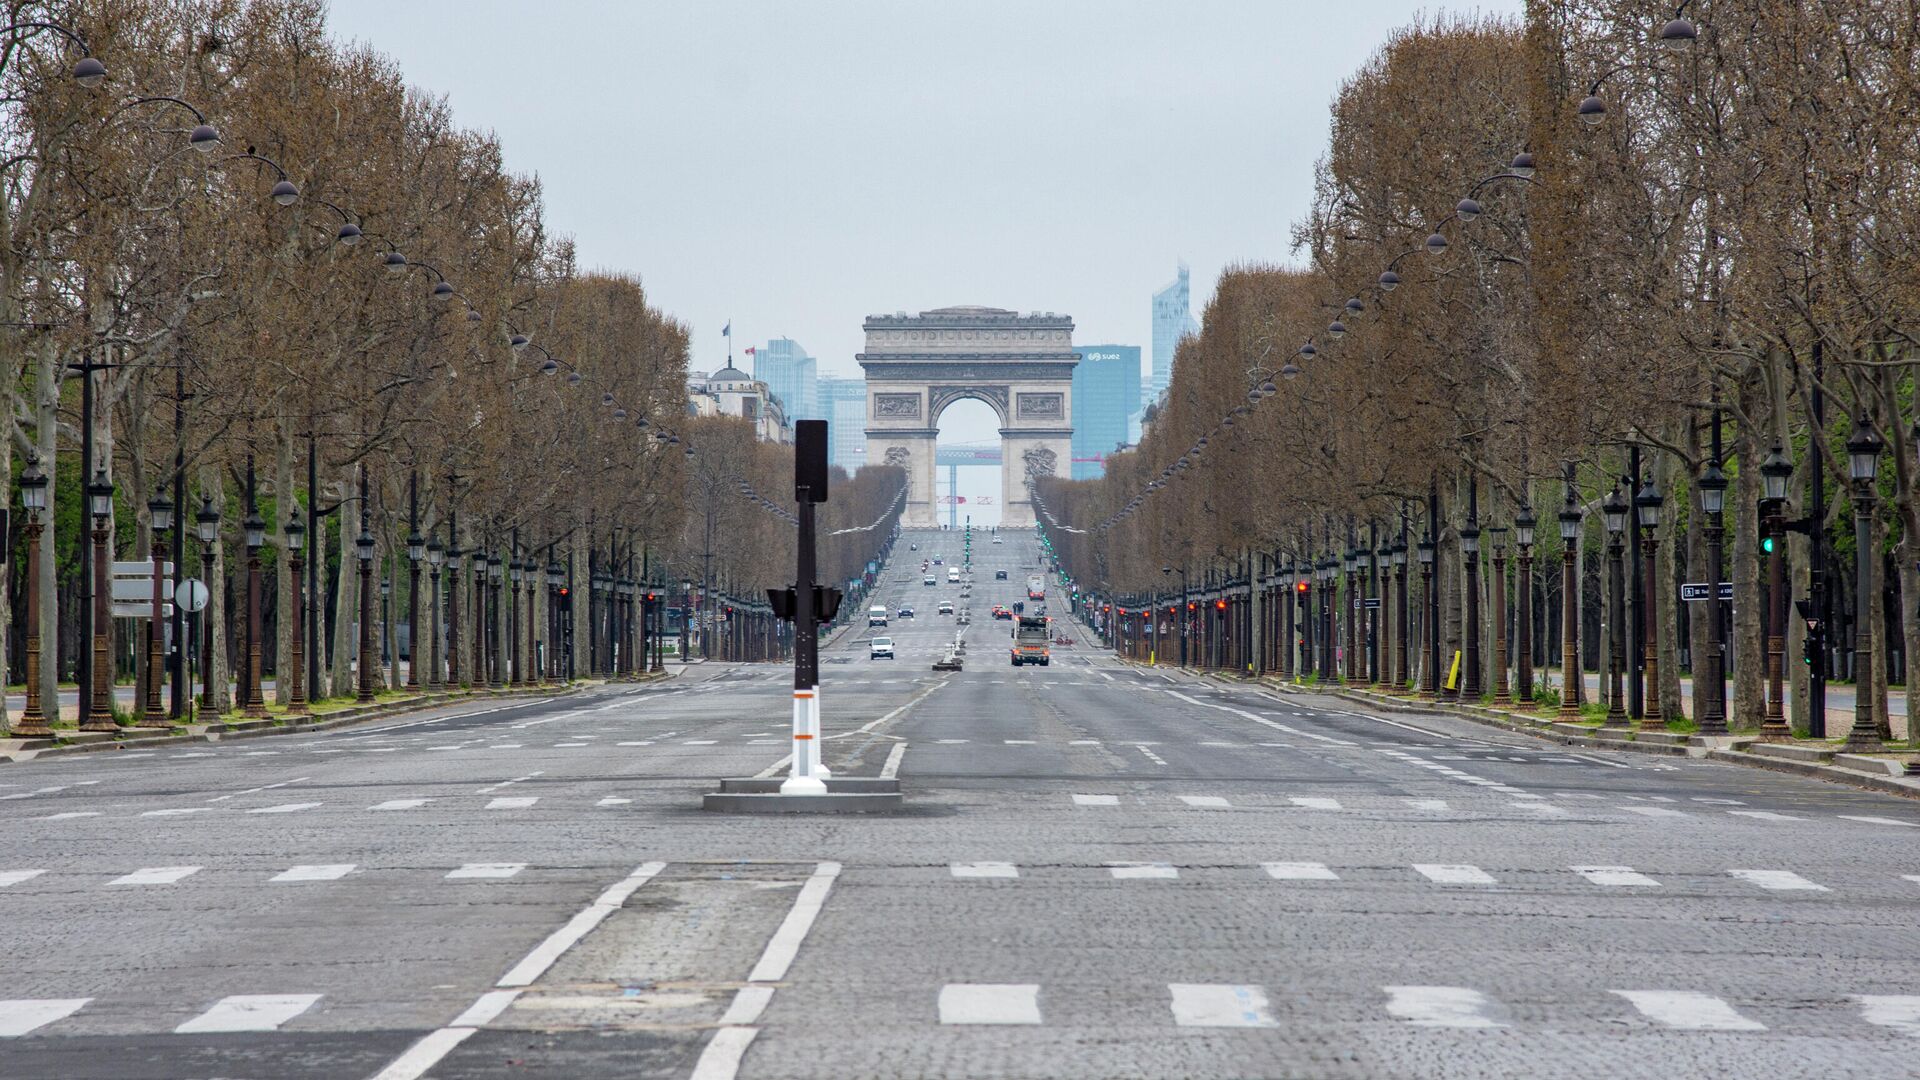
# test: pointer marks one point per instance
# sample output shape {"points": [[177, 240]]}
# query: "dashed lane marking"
{"points": [[1778, 880], [1219, 1005], [1125, 871], [20, 1016], [1454, 874], [486, 870], [990, 1003], [1096, 800], [156, 875], [1300, 871], [327, 872], [1441, 1006], [984, 870], [1615, 876], [15, 877], [1688, 1010], [1210, 802]]}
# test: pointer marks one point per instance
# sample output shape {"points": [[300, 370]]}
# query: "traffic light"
{"points": [[1766, 546], [1220, 605], [1810, 650], [1300, 587]]}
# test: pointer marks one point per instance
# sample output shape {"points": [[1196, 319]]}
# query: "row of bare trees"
{"points": [[284, 269], [1555, 247]]}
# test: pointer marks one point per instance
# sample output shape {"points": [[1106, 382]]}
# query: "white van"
{"points": [[877, 615], [953, 574]]}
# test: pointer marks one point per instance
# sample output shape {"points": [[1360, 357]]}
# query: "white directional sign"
{"points": [[132, 591], [1697, 590]]}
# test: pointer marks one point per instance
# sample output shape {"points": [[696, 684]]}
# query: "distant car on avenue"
{"points": [[880, 648]]}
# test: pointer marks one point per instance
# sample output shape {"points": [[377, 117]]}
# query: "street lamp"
{"points": [[1570, 672], [1647, 502], [96, 712], [416, 551], [436, 557], [453, 608], [1713, 499], [1500, 695], [1470, 547], [1430, 667], [33, 496], [363, 547], [1773, 478], [159, 520], [207, 528], [1863, 467], [1399, 557], [1615, 512], [296, 534], [254, 704], [1523, 532], [496, 571]]}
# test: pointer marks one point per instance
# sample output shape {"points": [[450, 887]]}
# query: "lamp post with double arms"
{"points": [[296, 666], [1402, 611], [1470, 547], [33, 497], [416, 551], [1430, 665], [1500, 695], [436, 557], [1774, 473], [1523, 531], [207, 524], [454, 580], [255, 705], [363, 547], [159, 520], [1615, 510], [1863, 467], [1710, 699], [96, 696], [1646, 504], [496, 574], [1571, 679]]}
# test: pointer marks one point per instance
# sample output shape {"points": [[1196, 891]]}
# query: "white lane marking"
{"points": [[1096, 800], [506, 746], [22, 1015], [155, 875], [1151, 756], [69, 814], [284, 808], [720, 1060], [1881, 821], [1653, 811], [608, 902], [15, 877], [1142, 870], [512, 802], [1915, 878], [568, 745], [1084, 742], [1208, 801], [700, 742], [487, 870], [1219, 1005], [1018, 742], [1778, 880], [425, 1054], [1545, 808], [1600, 761], [1718, 802], [1765, 815], [1394, 723], [1427, 804], [641, 742], [613, 800], [1900, 1012], [318, 872], [891, 769], [984, 869], [176, 811], [762, 775], [1258, 719], [1454, 873], [249, 1012], [399, 804], [1300, 871], [1614, 876], [485, 1008], [491, 788], [785, 944], [261, 788], [747, 1005], [1688, 1010], [1441, 1006], [1313, 803], [990, 1003], [950, 742], [1225, 745]]}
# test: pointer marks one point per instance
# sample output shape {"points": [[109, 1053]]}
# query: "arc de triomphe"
{"points": [[1020, 365]]}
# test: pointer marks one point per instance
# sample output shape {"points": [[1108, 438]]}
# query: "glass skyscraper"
{"points": [[843, 405], [792, 376], [1106, 395], [1172, 320]]}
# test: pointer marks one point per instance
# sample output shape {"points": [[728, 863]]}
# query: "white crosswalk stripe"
{"points": [[399, 804], [15, 877], [1614, 876], [984, 870], [1441, 1006], [1299, 871], [1765, 815], [318, 872], [487, 870], [1219, 1005], [513, 802], [249, 1012], [1653, 811], [1689, 1010], [1779, 880], [1096, 800], [1314, 803], [990, 1003], [284, 808], [1143, 870], [1211, 802], [1454, 874], [20, 1016], [1880, 821], [155, 875], [1900, 1012]]}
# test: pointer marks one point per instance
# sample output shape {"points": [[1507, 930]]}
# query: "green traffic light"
{"points": [[1767, 545]]}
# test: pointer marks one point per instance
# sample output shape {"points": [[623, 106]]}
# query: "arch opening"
{"points": [[967, 480]]}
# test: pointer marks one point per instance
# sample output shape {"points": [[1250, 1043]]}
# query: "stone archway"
{"points": [[1020, 365]]}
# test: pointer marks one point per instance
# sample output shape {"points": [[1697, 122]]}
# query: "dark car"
{"points": [[999, 575], [905, 613]]}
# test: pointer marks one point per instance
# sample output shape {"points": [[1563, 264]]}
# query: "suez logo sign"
{"points": [[1100, 356]]}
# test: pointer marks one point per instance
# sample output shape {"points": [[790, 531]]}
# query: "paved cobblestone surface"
{"points": [[1262, 885]]}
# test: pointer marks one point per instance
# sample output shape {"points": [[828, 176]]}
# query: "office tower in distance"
{"points": [[843, 405], [1172, 320], [791, 375], [1106, 396]]}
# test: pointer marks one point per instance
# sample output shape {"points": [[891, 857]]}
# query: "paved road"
{"points": [[1102, 871]]}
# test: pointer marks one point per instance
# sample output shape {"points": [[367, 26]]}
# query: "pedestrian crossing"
{"points": [[29, 881], [1233, 1005], [1538, 804], [229, 1015]]}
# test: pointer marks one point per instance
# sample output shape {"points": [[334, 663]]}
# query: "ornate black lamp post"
{"points": [[1571, 678], [255, 705], [1470, 547], [1430, 667], [1863, 467], [1615, 511], [159, 520], [1647, 503], [296, 666], [207, 527], [96, 696], [1710, 703], [436, 557], [363, 547], [33, 496], [1523, 529], [1773, 507]]}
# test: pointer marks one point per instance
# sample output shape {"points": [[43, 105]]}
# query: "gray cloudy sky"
{"points": [[795, 166]]}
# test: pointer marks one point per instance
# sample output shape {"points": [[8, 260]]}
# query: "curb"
{"points": [[254, 729]]}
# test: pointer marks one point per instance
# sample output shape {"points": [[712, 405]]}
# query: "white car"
{"points": [[928, 580], [996, 539], [880, 648], [946, 607]]}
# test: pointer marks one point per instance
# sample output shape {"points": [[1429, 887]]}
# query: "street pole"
{"points": [[33, 496], [415, 550], [1711, 709], [806, 776], [1817, 554], [365, 554], [182, 689], [1774, 473], [1617, 514], [1470, 545], [1863, 462]]}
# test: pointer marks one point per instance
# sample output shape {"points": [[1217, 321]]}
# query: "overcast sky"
{"points": [[796, 166]]}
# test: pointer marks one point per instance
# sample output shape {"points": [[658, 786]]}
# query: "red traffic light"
{"points": [[1220, 605], [1300, 587], [563, 590]]}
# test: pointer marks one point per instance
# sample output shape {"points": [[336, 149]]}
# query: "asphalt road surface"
{"points": [[1101, 871]]}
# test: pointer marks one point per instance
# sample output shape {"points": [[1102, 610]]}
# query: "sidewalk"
{"points": [[1840, 700]]}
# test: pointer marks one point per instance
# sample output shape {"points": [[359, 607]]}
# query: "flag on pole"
{"points": [[727, 330], [750, 350]]}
